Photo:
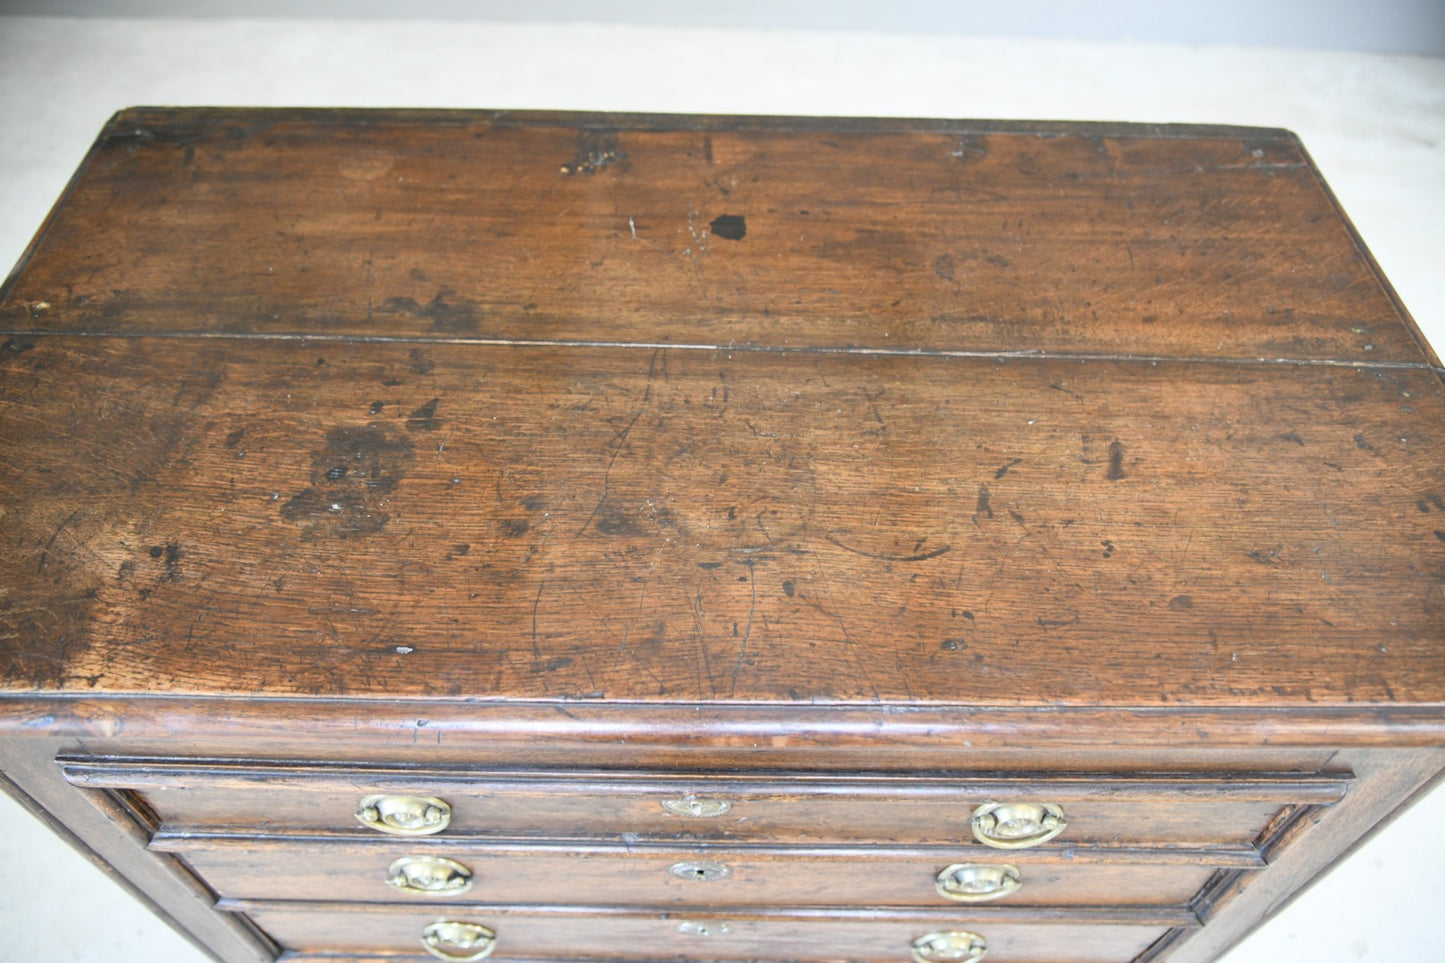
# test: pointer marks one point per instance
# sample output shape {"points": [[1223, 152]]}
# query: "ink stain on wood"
{"points": [[424, 418], [352, 478], [984, 507], [445, 314], [729, 227], [172, 556], [1116, 460], [617, 523], [1004, 470]]}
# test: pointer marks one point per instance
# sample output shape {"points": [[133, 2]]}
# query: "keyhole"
{"points": [[701, 872]]}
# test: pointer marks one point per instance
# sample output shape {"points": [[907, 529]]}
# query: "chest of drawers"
{"points": [[594, 537]]}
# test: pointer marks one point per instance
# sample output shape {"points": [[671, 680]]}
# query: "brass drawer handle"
{"points": [[701, 871], [1017, 825], [978, 882], [957, 946], [451, 940], [690, 805], [404, 815], [429, 876]]}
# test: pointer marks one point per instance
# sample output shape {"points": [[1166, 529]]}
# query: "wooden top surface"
{"points": [[906, 235], [577, 407]]}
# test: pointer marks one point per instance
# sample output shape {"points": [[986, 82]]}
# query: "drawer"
{"points": [[535, 934], [341, 869], [1173, 810]]}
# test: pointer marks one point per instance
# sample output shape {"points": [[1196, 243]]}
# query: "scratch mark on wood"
{"points": [[45, 552], [591, 679], [885, 556], [607, 473], [873, 408], [832, 613], [641, 601], [536, 649], [652, 374], [705, 663], [748, 629]]}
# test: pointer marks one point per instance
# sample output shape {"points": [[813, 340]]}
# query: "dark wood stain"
{"points": [[352, 476], [424, 418], [1116, 461], [731, 227]]}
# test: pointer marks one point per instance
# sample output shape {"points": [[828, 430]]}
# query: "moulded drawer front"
{"points": [[782, 807], [729, 876], [525, 935]]}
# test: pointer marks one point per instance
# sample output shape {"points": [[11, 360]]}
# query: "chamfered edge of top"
{"points": [[146, 116], [161, 123], [628, 726]]}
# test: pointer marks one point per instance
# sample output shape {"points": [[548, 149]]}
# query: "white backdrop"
{"points": [[1374, 124], [1380, 26]]}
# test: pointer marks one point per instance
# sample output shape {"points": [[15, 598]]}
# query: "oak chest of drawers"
{"points": [[596, 537]]}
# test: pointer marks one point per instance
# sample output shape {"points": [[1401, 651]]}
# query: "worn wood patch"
{"points": [[988, 237], [276, 517]]}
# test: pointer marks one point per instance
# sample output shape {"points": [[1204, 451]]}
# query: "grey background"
{"points": [[1382, 26]]}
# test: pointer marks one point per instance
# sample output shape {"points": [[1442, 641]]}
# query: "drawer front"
{"points": [[522, 935], [655, 876], [782, 807]]}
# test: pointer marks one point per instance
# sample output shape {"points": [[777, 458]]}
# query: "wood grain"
{"points": [[976, 236], [658, 525]]}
